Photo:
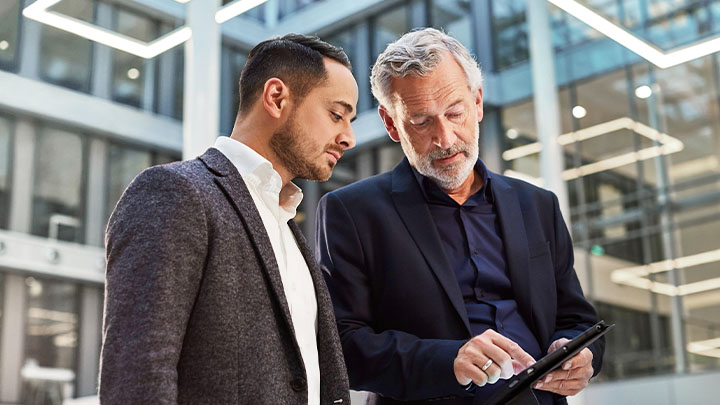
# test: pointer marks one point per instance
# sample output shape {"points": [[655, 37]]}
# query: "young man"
{"points": [[446, 277], [212, 295]]}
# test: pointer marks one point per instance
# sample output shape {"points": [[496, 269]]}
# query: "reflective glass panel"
{"points": [[5, 153], [454, 17], [131, 74], [51, 337], [57, 193], [9, 27], [65, 58], [124, 164]]}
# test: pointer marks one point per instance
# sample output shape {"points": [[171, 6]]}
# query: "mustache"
{"points": [[445, 153]]}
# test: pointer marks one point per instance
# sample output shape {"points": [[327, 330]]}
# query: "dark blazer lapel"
{"points": [[413, 210], [232, 184], [516, 244]]}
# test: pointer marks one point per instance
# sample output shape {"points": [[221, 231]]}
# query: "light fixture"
{"points": [[236, 8], [643, 91], [637, 276], [625, 38], [709, 347], [133, 73], [579, 111], [38, 11], [668, 145], [4, 45], [512, 133]]}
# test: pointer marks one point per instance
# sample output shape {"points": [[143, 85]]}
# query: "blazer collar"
{"points": [[412, 208]]}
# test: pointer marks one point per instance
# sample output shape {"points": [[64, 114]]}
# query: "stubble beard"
{"points": [[295, 153], [448, 177]]}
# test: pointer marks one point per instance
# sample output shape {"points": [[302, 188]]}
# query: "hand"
{"points": [[572, 377], [507, 358]]}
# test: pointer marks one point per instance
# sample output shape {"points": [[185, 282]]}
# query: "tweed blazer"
{"points": [[195, 311]]}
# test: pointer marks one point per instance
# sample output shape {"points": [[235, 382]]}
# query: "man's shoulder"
{"points": [[373, 187], [174, 174]]}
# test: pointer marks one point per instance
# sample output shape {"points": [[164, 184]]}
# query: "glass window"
{"points": [[389, 26], [288, 7], [57, 194], [51, 338], [124, 164], [66, 58], [5, 153], [454, 17], [509, 28], [9, 27], [131, 74], [237, 62]]}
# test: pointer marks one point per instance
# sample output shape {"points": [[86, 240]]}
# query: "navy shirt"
{"points": [[472, 241]]}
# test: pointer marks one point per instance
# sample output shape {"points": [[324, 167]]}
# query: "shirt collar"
{"points": [[254, 168], [433, 193]]}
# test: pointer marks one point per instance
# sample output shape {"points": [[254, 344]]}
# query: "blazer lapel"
{"points": [[413, 210], [232, 184], [516, 244]]}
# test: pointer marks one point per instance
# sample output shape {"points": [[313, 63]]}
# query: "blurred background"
{"points": [[612, 104]]}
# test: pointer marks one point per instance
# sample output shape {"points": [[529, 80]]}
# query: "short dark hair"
{"points": [[295, 59]]}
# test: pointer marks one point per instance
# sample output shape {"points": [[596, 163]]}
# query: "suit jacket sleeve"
{"points": [[392, 363], [574, 314], [156, 244]]}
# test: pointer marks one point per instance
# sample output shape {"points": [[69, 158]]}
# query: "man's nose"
{"points": [[444, 137], [346, 138]]}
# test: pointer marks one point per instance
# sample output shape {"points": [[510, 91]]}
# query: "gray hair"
{"points": [[419, 53]]}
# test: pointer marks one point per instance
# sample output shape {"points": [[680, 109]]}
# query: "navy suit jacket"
{"points": [[399, 309]]}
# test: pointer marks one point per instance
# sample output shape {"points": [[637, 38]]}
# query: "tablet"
{"points": [[518, 390]]}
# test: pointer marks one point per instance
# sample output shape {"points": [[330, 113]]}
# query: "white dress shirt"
{"points": [[277, 205]]}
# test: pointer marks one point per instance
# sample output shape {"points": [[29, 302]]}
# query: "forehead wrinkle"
{"points": [[422, 102]]}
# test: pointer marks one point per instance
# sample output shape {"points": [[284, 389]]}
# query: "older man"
{"points": [[447, 278], [212, 294]]}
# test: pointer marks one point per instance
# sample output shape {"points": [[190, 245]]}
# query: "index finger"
{"points": [[514, 349]]}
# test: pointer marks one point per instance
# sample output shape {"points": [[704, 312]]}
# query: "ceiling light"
{"points": [[637, 276], [236, 8], [38, 11], [579, 111], [512, 133], [4, 45], [709, 347], [623, 37], [643, 92], [133, 73], [668, 145]]}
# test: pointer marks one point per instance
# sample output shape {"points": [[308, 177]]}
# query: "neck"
{"points": [[257, 138], [470, 186]]}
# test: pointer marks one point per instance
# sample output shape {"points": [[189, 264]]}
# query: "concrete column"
{"points": [[547, 105], [148, 97], [201, 110], [272, 13], [491, 140], [89, 343], [362, 65], [102, 55], [482, 29], [23, 176], [96, 195], [12, 339], [166, 80], [30, 34]]}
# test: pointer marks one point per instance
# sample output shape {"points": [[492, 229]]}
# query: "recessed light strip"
{"points": [[625, 38], [38, 11], [236, 8]]}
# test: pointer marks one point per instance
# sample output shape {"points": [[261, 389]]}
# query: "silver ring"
{"points": [[486, 365]]}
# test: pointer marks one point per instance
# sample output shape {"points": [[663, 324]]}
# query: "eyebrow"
{"points": [[347, 107]]}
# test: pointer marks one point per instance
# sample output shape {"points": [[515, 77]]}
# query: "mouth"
{"points": [[334, 156], [450, 159]]}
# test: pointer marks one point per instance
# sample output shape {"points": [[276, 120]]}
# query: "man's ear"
{"points": [[389, 123], [275, 97], [479, 104]]}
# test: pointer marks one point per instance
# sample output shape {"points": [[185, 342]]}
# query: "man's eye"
{"points": [[336, 117], [422, 123]]}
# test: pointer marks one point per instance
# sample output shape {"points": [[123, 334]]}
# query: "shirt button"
{"points": [[475, 252], [298, 384]]}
